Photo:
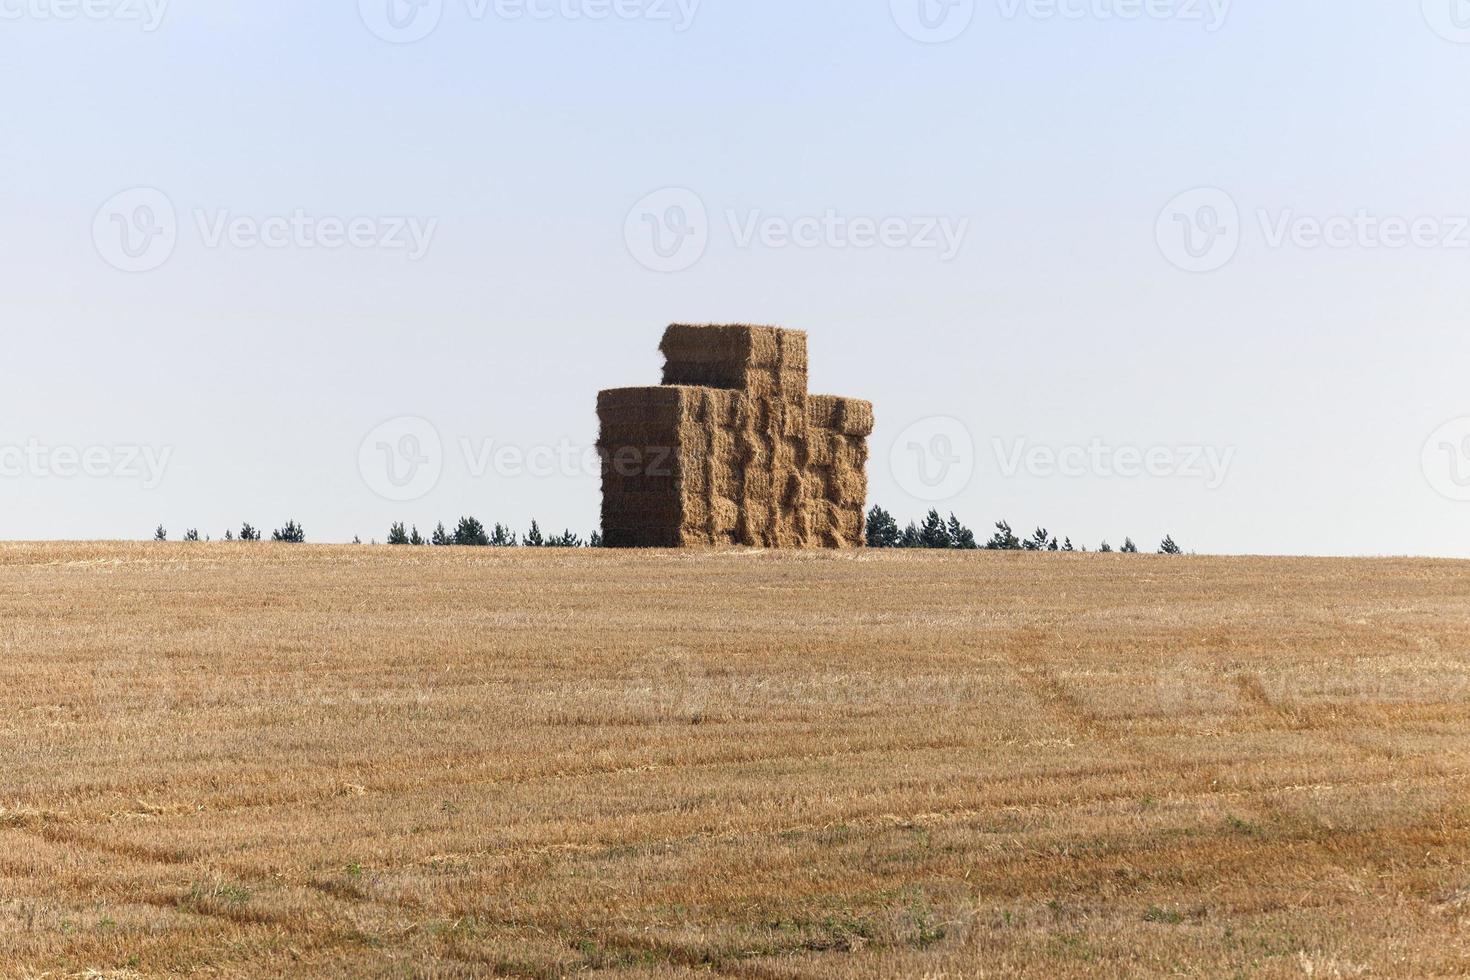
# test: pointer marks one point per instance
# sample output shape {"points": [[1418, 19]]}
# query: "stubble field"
{"points": [[267, 760]]}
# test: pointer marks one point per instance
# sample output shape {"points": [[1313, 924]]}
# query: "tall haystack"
{"points": [[731, 449]]}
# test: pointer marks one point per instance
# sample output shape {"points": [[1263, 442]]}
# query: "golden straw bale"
{"points": [[732, 449]]}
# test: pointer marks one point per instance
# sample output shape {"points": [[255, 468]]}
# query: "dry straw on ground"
{"points": [[732, 449], [258, 760]]}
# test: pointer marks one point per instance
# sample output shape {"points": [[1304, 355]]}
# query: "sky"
{"points": [[1111, 267]]}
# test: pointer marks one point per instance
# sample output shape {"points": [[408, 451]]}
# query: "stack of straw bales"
{"points": [[732, 450]]}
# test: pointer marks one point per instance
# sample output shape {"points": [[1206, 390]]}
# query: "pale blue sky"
{"points": [[1320, 372]]}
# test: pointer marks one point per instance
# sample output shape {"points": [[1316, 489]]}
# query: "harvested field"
{"points": [[256, 760]]}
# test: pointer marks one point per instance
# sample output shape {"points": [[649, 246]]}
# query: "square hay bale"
{"points": [[729, 356], [821, 446], [759, 346], [822, 411], [850, 453], [637, 404], [849, 416], [641, 537], [731, 449], [856, 418], [655, 454], [755, 521]]}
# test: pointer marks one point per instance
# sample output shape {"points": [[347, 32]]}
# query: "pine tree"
{"points": [[441, 537], [249, 533], [416, 539], [1038, 540], [1129, 548], [503, 537], [292, 533], [160, 534], [1004, 539], [960, 536], [1068, 545], [192, 534], [596, 540], [1168, 547], [933, 533], [882, 529], [470, 533], [398, 534], [229, 535], [911, 538], [1106, 548], [534, 538], [564, 540]]}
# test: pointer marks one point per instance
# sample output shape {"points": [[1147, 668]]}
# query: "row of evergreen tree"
{"points": [[471, 533], [291, 532], [882, 532], [936, 532]]}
